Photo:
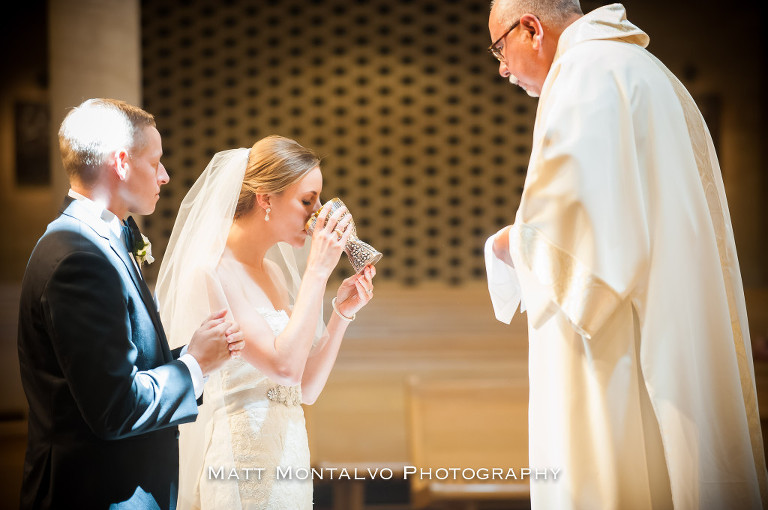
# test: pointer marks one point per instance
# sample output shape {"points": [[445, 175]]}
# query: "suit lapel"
{"points": [[119, 248], [75, 210]]}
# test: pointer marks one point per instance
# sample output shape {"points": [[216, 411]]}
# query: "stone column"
{"points": [[95, 51]]}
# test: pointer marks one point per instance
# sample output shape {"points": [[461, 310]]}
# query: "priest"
{"points": [[642, 388]]}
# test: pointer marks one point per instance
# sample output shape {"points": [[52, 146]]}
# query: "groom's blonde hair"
{"points": [[93, 130], [274, 163]]}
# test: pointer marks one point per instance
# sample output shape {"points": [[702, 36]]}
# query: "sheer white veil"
{"points": [[188, 289], [196, 244]]}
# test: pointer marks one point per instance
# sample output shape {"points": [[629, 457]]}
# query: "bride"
{"points": [[234, 245]]}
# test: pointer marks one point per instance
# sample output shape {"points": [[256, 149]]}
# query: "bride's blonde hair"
{"points": [[274, 163]]}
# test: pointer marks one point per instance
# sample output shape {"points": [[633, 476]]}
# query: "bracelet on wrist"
{"points": [[343, 317]]}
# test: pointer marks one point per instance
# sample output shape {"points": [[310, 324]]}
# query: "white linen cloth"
{"points": [[641, 379]]}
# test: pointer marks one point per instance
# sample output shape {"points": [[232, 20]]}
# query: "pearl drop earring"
{"points": [[266, 216]]}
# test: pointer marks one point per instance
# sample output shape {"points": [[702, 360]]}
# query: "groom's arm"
{"points": [[198, 380], [87, 315]]}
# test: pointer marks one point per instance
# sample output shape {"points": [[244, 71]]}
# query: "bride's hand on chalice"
{"points": [[328, 241], [355, 292]]}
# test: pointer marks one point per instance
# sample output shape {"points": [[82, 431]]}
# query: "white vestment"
{"points": [[641, 380]]}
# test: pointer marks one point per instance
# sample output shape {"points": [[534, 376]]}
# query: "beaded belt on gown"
{"points": [[288, 395]]}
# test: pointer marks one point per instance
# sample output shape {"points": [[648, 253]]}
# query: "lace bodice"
{"points": [[277, 319]]}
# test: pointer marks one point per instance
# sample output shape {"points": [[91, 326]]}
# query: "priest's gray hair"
{"points": [[550, 12]]}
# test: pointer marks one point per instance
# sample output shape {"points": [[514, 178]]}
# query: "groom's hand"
{"points": [[209, 344]]}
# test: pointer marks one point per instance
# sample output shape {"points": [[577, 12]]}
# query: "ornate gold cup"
{"points": [[360, 253]]}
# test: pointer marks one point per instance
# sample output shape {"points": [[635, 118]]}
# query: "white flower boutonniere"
{"points": [[143, 251], [141, 248]]}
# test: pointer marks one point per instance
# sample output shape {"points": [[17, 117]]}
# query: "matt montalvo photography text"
{"points": [[336, 473]]}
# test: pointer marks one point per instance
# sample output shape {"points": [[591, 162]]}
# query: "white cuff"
{"points": [[194, 370], [503, 284]]}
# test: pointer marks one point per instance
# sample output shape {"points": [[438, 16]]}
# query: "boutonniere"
{"points": [[142, 248]]}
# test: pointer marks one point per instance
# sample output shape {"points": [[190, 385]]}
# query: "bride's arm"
{"points": [[284, 357], [281, 358], [321, 361], [352, 296]]}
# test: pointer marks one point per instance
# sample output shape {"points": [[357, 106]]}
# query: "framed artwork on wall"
{"points": [[32, 147]]}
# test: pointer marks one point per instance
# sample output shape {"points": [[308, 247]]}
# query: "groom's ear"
{"points": [[119, 163]]}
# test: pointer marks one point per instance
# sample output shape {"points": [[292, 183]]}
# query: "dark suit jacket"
{"points": [[105, 393]]}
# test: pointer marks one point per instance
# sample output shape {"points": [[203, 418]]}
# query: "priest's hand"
{"points": [[501, 246]]}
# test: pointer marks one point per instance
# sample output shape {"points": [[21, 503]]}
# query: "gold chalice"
{"points": [[360, 253]]}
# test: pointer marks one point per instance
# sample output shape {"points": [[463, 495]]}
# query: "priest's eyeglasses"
{"points": [[494, 49]]}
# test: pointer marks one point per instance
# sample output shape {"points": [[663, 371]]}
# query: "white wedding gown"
{"points": [[248, 427], [257, 426]]}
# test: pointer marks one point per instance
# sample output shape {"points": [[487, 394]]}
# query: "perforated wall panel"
{"points": [[421, 137]]}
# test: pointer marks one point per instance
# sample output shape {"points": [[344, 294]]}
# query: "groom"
{"points": [[105, 393]]}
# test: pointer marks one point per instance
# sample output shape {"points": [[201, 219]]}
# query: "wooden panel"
{"points": [[468, 424], [358, 420], [429, 331]]}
